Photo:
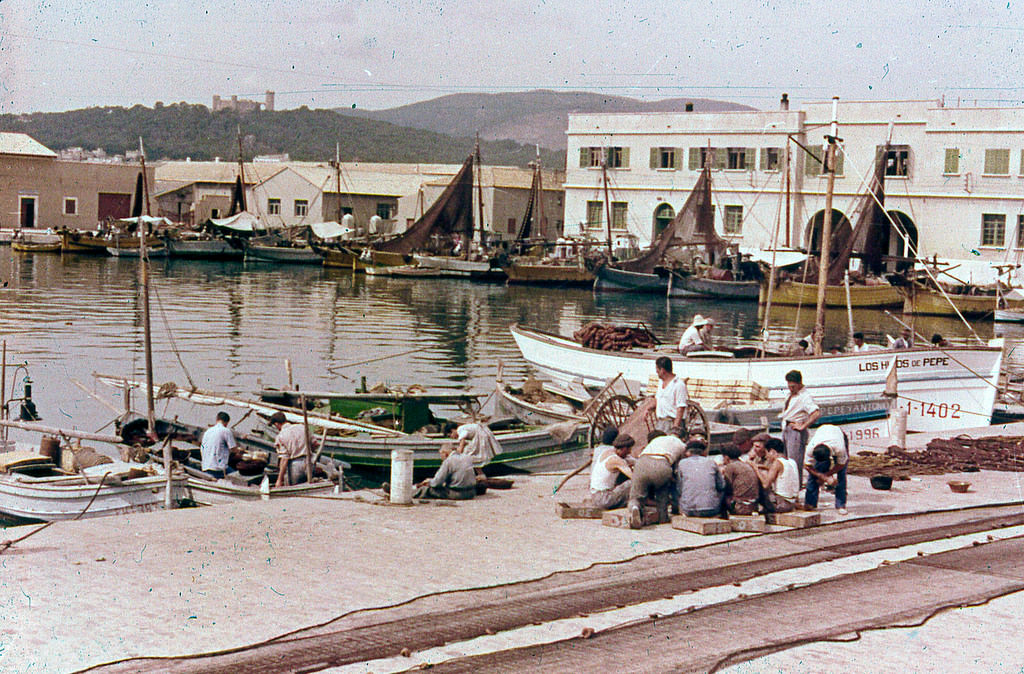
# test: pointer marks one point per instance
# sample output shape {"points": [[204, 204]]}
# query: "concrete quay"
{"points": [[200, 580]]}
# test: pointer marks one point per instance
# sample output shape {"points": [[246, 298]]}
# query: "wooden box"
{"points": [[705, 526], [797, 519], [579, 511], [620, 518], [748, 523]]}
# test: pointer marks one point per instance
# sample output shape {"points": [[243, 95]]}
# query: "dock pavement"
{"points": [[191, 581]]}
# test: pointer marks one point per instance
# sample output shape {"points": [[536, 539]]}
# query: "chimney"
{"points": [[269, 105], [784, 103], [689, 107]]}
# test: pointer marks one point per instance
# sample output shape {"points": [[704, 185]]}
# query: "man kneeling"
{"points": [[605, 471], [698, 483], [455, 479]]}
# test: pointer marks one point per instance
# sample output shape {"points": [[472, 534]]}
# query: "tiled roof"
{"points": [[23, 144]]}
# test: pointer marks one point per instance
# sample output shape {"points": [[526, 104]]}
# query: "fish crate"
{"points": [[714, 393]]}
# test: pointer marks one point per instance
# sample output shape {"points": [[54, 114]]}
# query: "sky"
{"points": [[66, 54]]}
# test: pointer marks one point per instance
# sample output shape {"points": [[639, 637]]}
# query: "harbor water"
{"points": [[230, 326]]}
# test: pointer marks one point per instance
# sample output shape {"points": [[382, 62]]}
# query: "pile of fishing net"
{"points": [[615, 337], [945, 455]]}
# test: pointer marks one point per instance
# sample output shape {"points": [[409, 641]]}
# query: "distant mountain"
{"points": [[527, 117], [184, 130]]}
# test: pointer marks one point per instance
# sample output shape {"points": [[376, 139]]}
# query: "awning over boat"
{"points": [[151, 220], [331, 230], [243, 222], [782, 258]]}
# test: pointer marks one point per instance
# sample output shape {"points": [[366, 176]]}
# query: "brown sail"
{"points": [[868, 233], [452, 213]]}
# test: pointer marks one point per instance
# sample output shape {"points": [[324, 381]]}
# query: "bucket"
{"points": [[50, 447], [401, 476]]}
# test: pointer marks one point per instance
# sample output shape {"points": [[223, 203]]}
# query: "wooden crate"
{"points": [[579, 511], [705, 526], [797, 519], [620, 518], [748, 523], [716, 392]]}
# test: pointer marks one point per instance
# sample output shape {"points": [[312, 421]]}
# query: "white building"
{"points": [[954, 176]]}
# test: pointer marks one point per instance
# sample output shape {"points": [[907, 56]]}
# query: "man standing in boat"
{"points": [[671, 397], [290, 445], [799, 412], [217, 446]]}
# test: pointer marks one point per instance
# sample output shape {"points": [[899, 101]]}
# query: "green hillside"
{"points": [[184, 130]]}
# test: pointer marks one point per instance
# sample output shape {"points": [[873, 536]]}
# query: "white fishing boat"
{"points": [[942, 389], [127, 488]]}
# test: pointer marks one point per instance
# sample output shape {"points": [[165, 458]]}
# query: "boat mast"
{"points": [[607, 205], [788, 245], [479, 191], [337, 177], [241, 170], [826, 226], [541, 229]]}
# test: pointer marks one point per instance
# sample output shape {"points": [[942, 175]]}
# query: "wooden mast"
{"points": [[337, 177], [607, 206], [539, 198], [241, 170], [826, 227], [479, 193]]}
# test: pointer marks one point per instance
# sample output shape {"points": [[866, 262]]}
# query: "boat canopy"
{"points": [[332, 230], [782, 258], [150, 220], [243, 222]]}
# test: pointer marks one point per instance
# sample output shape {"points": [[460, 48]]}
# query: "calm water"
{"points": [[233, 325]]}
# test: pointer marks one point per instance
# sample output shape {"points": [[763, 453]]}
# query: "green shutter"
{"points": [[750, 158], [839, 162], [1021, 171], [677, 158], [812, 163], [721, 158], [764, 159], [625, 157], [694, 160], [655, 157], [952, 163], [584, 157]]}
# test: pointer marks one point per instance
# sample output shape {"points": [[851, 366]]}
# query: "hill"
{"points": [[184, 130], [526, 117]]}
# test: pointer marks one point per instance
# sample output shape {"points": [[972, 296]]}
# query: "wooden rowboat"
{"points": [[31, 247], [794, 293]]}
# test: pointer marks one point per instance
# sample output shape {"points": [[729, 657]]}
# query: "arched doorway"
{"points": [[841, 231], [663, 216], [897, 246]]}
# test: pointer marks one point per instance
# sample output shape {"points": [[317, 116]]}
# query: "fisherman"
{"points": [[757, 456], [905, 340], [653, 473], [454, 480], [477, 440], [698, 483], [858, 342], [826, 465], [217, 446], [608, 466], [742, 485], [290, 445], [799, 412], [938, 341], [671, 397], [779, 479], [695, 337], [608, 436], [743, 439]]}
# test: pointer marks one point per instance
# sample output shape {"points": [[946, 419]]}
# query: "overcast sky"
{"points": [[67, 54]]}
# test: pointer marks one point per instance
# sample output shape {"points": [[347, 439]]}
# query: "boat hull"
{"points": [[283, 254], [457, 267], [609, 279], [205, 249], [796, 293], [48, 499], [30, 247], [695, 286], [548, 274], [222, 492], [84, 243], [931, 303], [942, 390], [1009, 316]]}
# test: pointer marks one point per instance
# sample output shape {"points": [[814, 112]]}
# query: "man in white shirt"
{"points": [[828, 457], [653, 473], [779, 478], [606, 491], [217, 445], [696, 337], [799, 412], [671, 397], [858, 342]]}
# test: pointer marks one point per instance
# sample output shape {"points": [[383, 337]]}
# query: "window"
{"points": [[618, 157], [619, 210], [813, 164], [301, 207], [1021, 172], [346, 210], [614, 157], [384, 211], [993, 229], [594, 213], [733, 220], [214, 213], [1019, 243], [997, 163], [70, 206], [717, 158], [952, 165], [737, 158], [667, 158], [273, 207], [897, 161], [771, 158]]}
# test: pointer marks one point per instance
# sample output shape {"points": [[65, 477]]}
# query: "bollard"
{"points": [[265, 489], [401, 476], [899, 431]]}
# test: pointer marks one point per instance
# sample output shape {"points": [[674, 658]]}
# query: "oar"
{"points": [[572, 474]]}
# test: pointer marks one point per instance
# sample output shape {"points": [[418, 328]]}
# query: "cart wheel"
{"points": [[613, 412], [695, 421]]}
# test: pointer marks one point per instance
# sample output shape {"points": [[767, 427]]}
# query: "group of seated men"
{"points": [[755, 474]]}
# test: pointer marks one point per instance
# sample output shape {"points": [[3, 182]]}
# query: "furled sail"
{"points": [[868, 233]]}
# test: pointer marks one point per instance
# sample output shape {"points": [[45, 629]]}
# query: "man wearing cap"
{"points": [[799, 412], [608, 465], [695, 338], [671, 397], [757, 456]]}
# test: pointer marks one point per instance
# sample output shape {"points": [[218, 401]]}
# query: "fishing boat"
{"points": [[693, 286], [32, 488], [203, 245], [83, 242], [289, 252], [794, 293], [942, 389], [125, 250], [548, 271], [19, 246]]}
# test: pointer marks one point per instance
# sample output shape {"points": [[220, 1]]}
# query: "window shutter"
{"points": [[952, 163], [694, 159], [1021, 171], [750, 158], [839, 162], [764, 159], [677, 158], [655, 157], [812, 163], [721, 158], [584, 157], [625, 157]]}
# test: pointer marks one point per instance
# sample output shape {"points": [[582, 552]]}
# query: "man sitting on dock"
{"points": [[605, 470], [799, 412], [742, 485], [454, 480], [698, 482], [652, 474], [758, 454], [671, 397], [779, 479], [217, 447], [290, 445], [826, 465]]}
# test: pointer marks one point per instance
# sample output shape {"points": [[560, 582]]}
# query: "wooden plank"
{"points": [[620, 518], [750, 523], [579, 511], [797, 519], [705, 526]]}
